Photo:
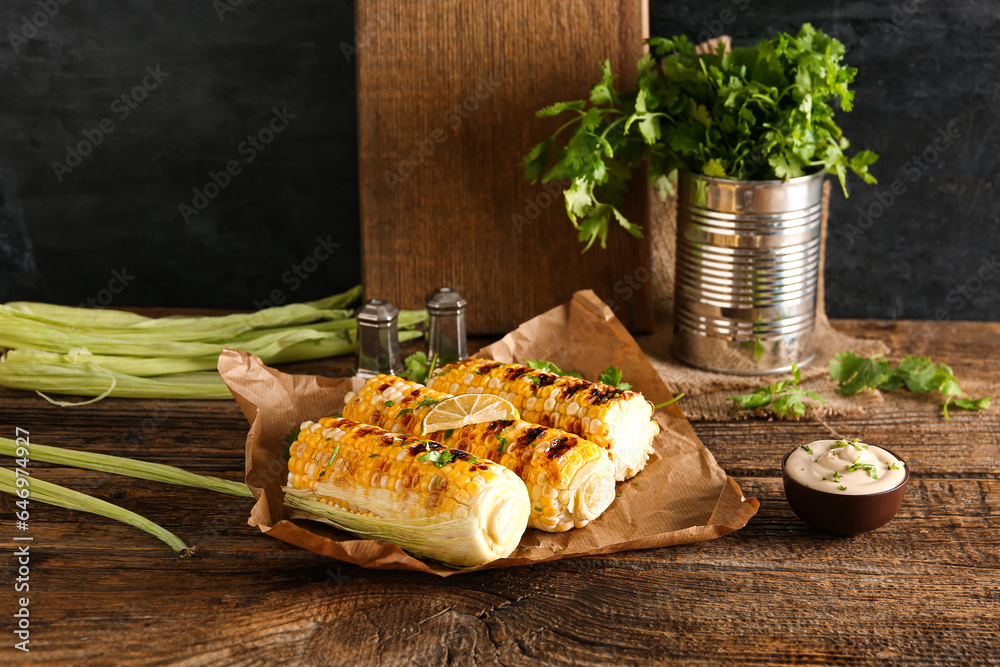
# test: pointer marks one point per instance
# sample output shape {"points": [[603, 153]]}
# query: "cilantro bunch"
{"points": [[918, 374], [763, 112]]}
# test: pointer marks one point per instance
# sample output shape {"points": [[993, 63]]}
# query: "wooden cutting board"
{"points": [[447, 92]]}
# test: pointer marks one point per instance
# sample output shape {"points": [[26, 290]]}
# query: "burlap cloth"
{"points": [[706, 392]]}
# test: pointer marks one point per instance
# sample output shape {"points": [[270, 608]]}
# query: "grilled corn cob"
{"points": [[613, 418], [570, 480], [432, 501]]}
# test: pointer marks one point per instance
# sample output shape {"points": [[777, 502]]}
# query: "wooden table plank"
{"points": [[923, 589]]}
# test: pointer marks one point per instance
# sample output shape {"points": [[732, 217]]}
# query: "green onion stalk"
{"points": [[119, 465], [100, 353], [52, 494]]}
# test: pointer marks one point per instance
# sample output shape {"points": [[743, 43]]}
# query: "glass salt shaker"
{"points": [[446, 308], [378, 339]]}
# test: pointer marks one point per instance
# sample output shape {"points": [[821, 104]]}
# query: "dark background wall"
{"points": [[111, 226]]}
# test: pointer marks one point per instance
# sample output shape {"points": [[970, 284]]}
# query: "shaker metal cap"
{"points": [[378, 312], [445, 300]]}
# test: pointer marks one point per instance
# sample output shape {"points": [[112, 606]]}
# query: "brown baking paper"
{"points": [[681, 496]]}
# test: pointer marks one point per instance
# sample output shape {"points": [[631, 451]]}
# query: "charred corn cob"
{"points": [[618, 420], [429, 500], [570, 480]]}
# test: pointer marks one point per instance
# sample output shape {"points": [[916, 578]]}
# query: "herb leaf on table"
{"points": [[920, 375], [785, 397]]}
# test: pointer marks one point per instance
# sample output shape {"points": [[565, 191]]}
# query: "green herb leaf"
{"points": [[807, 448], [373, 456], [439, 457], [416, 367], [919, 375], [759, 112], [427, 401], [785, 397], [543, 365], [613, 376], [449, 433], [389, 404], [333, 454], [503, 446]]}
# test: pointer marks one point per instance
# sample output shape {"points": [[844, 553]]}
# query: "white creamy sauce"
{"points": [[845, 466]]}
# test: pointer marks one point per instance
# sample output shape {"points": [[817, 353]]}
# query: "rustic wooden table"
{"points": [[924, 589]]}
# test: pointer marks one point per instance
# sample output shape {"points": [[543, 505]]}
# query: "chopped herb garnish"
{"points": [[840, 444], [618, 495], [836, 474], [843, 488], [542, 365], [892, 466], [427, 402], [503, 446], [807, 448], [637, 483], [333, 454], [405, 411], [538, 509], [389, 404], [439, 457], [867, 467], [373, 456], [448, 433]]}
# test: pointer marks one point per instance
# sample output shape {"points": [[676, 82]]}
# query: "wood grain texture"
{"points": [[921, 590], [446, 98]]}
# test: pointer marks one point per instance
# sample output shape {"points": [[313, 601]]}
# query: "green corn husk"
{"points": [[100, 353], [52, 494], [119, 465]]}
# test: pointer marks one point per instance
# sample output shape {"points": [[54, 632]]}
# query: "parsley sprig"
{"points": [[785, 397], [759, 112], [919, 375]]}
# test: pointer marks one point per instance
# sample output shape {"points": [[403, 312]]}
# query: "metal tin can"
{"points": [[747, 273]]}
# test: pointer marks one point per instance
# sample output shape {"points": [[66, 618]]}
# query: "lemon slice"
{"points": [[466, 409]]}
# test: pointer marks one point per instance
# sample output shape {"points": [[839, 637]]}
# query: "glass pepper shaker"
{"points": [[446, 308], [378, 339]]}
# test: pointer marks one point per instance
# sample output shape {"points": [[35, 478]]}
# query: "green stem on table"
{"points": [[38, 490], [120, 465]]}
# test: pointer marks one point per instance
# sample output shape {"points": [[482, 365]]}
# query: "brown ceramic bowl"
{"points": [[841, 514]]}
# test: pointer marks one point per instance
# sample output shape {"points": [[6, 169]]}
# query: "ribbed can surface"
{"points": [[747, 272]]}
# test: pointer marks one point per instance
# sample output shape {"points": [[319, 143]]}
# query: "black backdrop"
{"points": [[157, 99]]}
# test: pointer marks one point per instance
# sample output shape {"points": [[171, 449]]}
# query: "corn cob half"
{"points": [[570, 480], [619, 420], [429, 500]]}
